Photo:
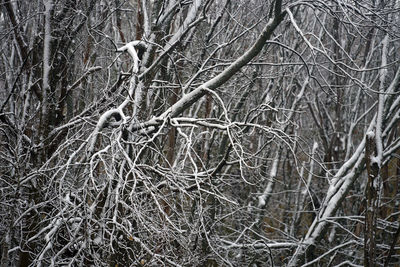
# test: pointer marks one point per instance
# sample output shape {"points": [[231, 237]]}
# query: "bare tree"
{"points": [[206, 133]]}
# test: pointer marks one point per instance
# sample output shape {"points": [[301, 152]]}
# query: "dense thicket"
{"points": [[199, 133]]}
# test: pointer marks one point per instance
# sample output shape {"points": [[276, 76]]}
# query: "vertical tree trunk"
{"points": [[372, 200]]}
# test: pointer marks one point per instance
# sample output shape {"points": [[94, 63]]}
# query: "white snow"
{"points": [[130, 47], [370, 134], [268, 190], [315, 146]]}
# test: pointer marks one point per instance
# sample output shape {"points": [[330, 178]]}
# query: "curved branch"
{"points": [[189, 99]]}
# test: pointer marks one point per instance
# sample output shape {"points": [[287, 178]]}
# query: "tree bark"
{"points": [[372, 200]]}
